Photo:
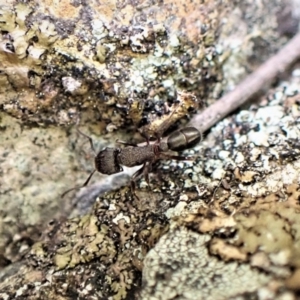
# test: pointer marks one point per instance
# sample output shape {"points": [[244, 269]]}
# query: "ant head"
{"points": [[106, 161]]}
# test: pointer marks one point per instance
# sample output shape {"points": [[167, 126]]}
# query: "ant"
{"points": [[110, 160]]}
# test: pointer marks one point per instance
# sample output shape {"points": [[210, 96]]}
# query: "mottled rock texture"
{"points": [[229, 219]]}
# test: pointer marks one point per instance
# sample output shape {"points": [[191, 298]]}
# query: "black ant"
{"points": [[110, 160]]}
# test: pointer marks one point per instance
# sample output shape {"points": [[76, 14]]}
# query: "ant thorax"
{"points": [[134, 156]]}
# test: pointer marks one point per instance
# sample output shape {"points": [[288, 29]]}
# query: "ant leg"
{"points": [[134, 177], [158, 138], [138, 173], [89, 138], [126, 143], [146, 171], [79, 187], [132, 187], [176, 157], [146, 137]]}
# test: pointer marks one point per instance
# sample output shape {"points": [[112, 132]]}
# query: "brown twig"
{"points": [[251, 85]]}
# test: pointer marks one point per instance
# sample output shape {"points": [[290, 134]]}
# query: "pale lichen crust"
{"points": [[237, 202], [58, 60]]}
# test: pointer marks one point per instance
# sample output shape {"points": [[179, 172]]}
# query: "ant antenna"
{"points": [[81, 186], [89, 138], [92, 173]]}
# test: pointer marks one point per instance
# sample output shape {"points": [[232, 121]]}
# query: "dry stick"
{"points": [[252, 84]]}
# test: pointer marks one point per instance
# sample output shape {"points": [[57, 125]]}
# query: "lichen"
{"points": [[186, 270], [110, 67], [108, 59]]}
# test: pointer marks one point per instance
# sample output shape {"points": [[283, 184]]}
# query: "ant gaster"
{"points": [[110, 160]]}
